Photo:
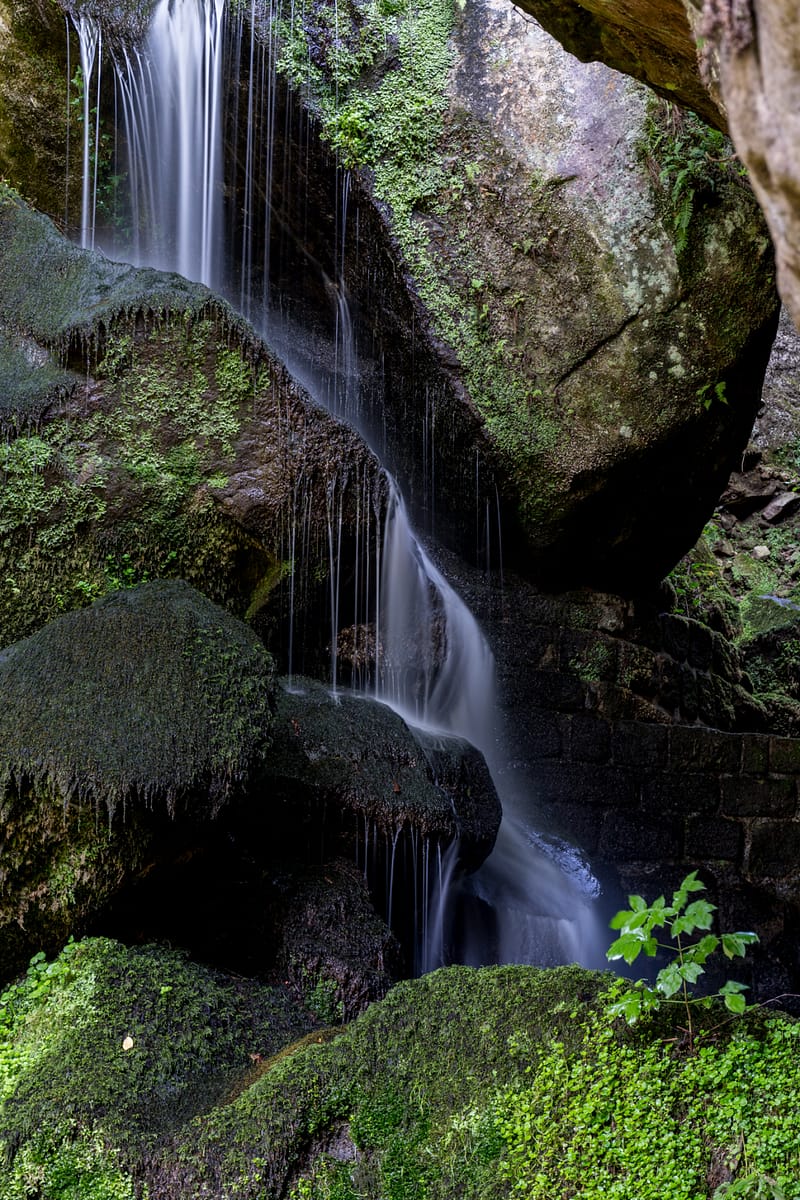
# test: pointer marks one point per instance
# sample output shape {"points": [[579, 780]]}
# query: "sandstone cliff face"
{"points": [[648, 39], [737, 65]]}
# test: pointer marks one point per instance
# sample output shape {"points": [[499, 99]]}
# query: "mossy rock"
{"points": [[378, 1094], [36, 123], [608, 313], [352, 755], [107, 1050], [489, 1083], [178, 446], [153, 703], [334, 952]]}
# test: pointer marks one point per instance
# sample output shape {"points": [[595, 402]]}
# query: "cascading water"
{"points": [[171, 99], [531, 901]]}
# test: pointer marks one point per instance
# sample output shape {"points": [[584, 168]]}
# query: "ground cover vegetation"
{"points": [[133, 1072]]}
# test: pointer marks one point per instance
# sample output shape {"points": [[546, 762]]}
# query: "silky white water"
{"points": [[532, 901]]}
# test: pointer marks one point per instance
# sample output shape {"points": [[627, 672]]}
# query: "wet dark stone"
{"points": [[759, 797], [681, 793]]}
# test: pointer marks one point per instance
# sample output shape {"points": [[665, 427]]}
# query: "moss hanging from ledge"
{"points": [[153, 692]]}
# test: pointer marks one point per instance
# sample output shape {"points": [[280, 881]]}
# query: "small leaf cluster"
{"points": [[683, 919]]}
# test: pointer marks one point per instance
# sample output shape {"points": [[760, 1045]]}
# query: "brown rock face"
{"points": [[648, 39], [746, 81], [758, 59]]}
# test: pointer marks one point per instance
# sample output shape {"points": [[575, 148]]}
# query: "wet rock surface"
{"points": [[152, 704], [359, 753], [150, 433]]}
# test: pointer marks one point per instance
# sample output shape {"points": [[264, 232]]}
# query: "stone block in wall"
{"points": [[636, 744], [784, 756], [619, 704], [715, 701], [699, 749], [689, 699], [589, 656], [713, 838], [542, 647], [555, 690], [755, 753], [744, 797], [637, 837], [590, 739], [774, 849], [579, 824], [682, 794], [579, 783], [542, 731], [638, 670]]}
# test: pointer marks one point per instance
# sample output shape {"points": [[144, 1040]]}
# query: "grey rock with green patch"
{"points": [[151, 433], [154, 704], [609, 317]]}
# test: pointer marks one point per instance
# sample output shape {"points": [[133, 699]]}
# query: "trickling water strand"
{"points": [[172, 112], [90, 39], [432, 664], [437, 670]]}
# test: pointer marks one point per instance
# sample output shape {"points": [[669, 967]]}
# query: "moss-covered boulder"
{"points": [[499, 1082], [332, 950], [148, 432], [152, 704], [107, 1050], [357, 761], [591, 267]]}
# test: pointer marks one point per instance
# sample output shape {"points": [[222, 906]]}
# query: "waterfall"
{"points": [[170, 93], [532, 899], [90, 38]]}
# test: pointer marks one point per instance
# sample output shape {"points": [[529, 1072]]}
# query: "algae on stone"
{"points": [[588, 332], [152, 703], [107, 1050], [179, 447]]}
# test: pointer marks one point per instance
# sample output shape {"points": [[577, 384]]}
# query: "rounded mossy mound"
{"points": [[107, 1050], [350, 754], [500, 1082], [177, 447], [154, 701]]}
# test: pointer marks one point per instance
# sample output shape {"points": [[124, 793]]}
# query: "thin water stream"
{"points": [[532, 901]]}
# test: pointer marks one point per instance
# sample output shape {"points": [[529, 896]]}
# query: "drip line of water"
{"points": [[432, 663]]}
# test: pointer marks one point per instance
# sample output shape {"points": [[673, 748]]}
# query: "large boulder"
{"points": [[735, 64], [148, 432], [152, 706], [355, 758], [107, 1050], [606, 312]]}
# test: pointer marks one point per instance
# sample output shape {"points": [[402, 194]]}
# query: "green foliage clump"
{"points": [[628, 1116], [691, 163], [107, 1049], [684, 918]]}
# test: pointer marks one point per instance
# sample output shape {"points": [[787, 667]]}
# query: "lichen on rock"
{"points": [[153, 703]]}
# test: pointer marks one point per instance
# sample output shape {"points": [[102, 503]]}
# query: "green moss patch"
{"points": [[107, 1050], [149, 692], [510, 1081]]}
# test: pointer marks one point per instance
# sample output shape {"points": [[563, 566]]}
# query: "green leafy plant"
{"points": [[683, 919], [707, 394]]}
